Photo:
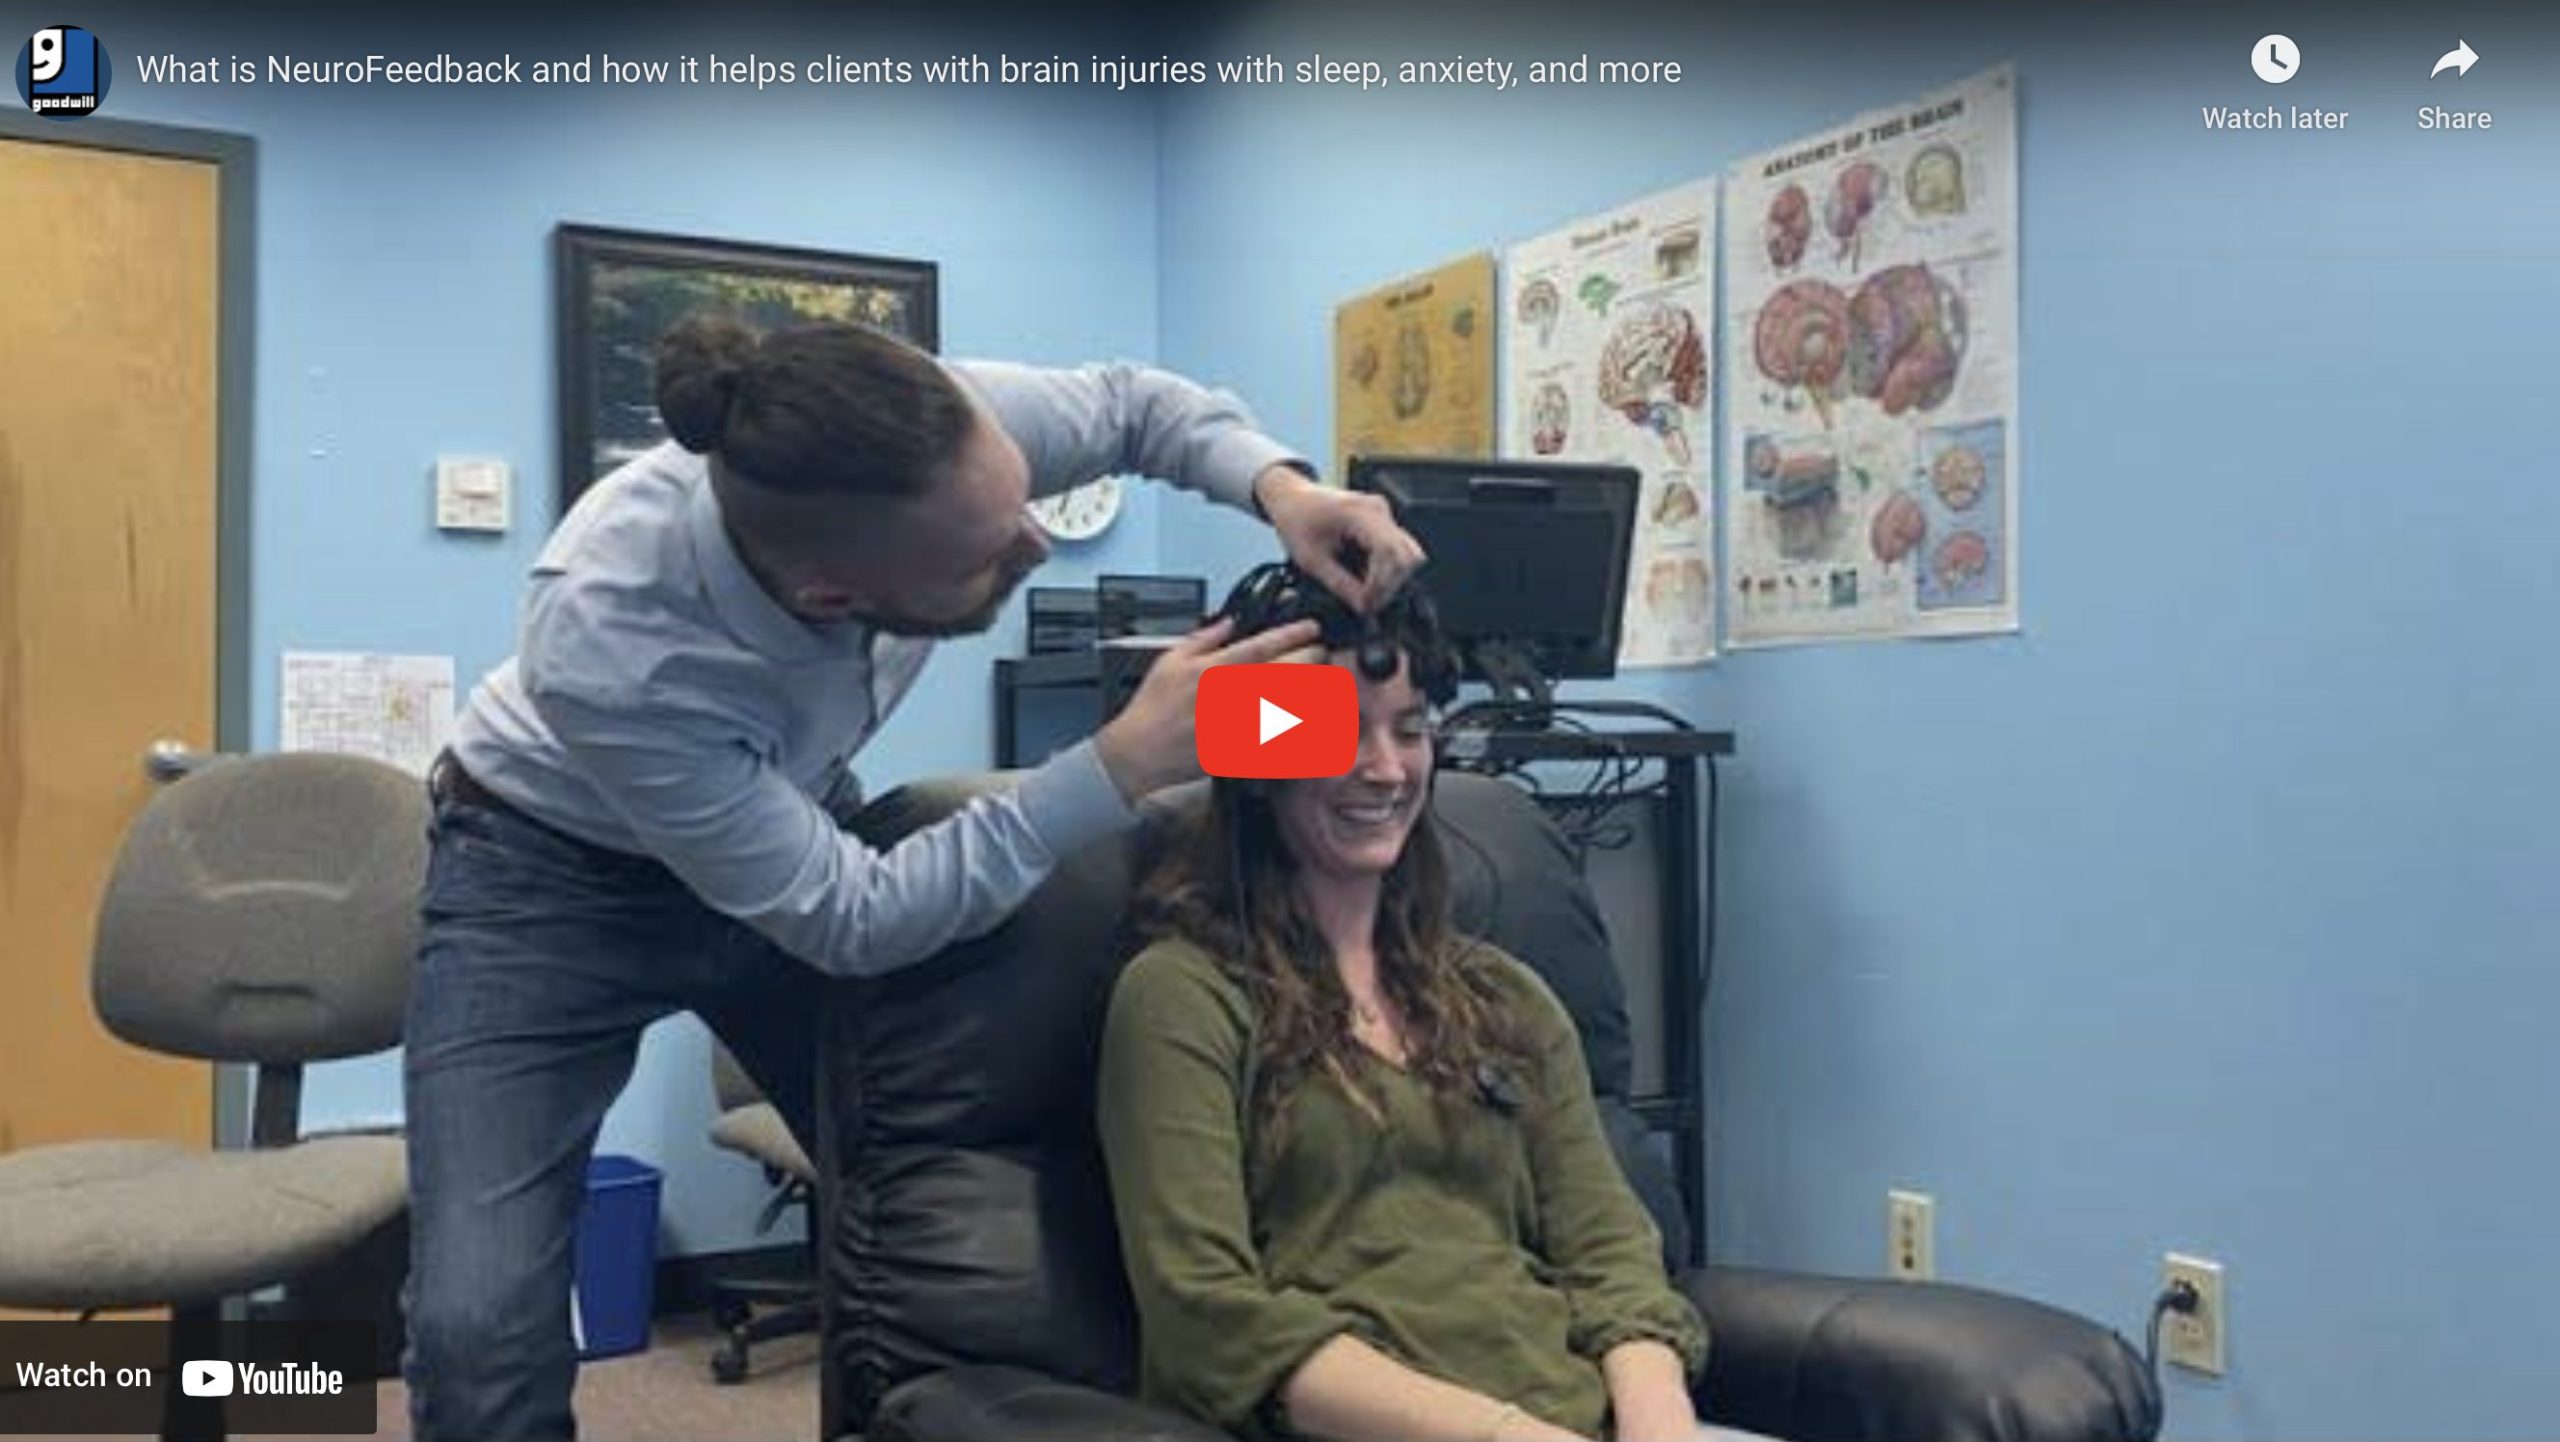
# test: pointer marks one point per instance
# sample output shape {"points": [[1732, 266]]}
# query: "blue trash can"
{"points": [[617, 1276]]}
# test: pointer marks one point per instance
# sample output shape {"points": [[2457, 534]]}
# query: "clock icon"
{"points": [[1080, 514], [2276, 59]]}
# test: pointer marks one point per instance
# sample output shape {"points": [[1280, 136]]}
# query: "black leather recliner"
{"points": [[973, 1275]]}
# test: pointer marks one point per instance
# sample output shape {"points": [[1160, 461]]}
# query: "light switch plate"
{"points": [[471, 493]]}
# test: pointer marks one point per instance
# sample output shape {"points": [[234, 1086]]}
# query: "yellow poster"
{"points": [[1413, 366]]}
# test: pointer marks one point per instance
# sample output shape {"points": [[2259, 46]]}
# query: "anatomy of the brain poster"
{"points": [[1608, 333], [1413, 366], [1871, 363]]}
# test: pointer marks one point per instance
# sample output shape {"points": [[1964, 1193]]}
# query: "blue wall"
{"points": [[2199, 915], [2211, 912]]}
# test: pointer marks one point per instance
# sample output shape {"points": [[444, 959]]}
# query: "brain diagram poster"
{"points": [[1413, 366], [1609, 330], [1871, 483]]}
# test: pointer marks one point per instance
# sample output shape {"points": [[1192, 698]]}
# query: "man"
{"points": [[639, 813]]}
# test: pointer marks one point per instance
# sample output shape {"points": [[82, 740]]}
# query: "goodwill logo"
{"points": [[62, 72]]}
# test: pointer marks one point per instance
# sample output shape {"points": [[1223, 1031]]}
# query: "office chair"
{"points": [[753, 1127], [974, 1266], [263, 910]]}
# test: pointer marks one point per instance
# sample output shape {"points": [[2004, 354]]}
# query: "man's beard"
{"points": [[975, 623]]}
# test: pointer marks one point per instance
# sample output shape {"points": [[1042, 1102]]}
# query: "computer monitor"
{"points": [[1528, 560], [1150, 605]]}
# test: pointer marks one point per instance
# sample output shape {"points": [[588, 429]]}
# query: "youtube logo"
{"points": [[1276, 721], [205, 1379]]}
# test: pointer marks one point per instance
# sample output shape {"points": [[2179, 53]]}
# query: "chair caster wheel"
{"points": [[728, 1368]]}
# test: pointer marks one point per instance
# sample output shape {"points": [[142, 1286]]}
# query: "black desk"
{"points": [[1686, 892], [1099, 677]]}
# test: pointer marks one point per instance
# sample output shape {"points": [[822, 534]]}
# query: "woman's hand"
{"points": [[1514, 1425], [1672, 1422], [1648, 1394], [1352, 1392]]}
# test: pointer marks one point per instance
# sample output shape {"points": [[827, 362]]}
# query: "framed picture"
{"points": [[620, 290]]}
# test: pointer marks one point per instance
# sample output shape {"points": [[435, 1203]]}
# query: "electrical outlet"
{"points": [[1910, 1236], [2193, 1340]]}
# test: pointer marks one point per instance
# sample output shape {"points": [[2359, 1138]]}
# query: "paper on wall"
{"points": [[1608, 339], [1871, 364], [397, 709], [1413, 366]]}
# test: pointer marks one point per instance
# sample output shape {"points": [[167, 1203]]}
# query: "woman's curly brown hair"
{"points": [[1226, 884]]}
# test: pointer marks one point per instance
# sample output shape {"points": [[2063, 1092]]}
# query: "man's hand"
{"points": [[1149, 745], [1316, 523]]}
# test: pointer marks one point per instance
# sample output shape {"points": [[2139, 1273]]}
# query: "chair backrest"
{"points": [[265, 909], [969, 1219]]}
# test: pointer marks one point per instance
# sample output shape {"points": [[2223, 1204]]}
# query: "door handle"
{"points": [[169, 760]]}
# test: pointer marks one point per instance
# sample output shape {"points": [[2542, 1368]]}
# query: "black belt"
{"points": [[447, 781]]}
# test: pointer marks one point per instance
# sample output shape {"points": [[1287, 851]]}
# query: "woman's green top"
{"points": [[1493, 1244]]}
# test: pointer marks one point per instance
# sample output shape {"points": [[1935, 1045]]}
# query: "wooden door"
{"points": [[109, 523]]}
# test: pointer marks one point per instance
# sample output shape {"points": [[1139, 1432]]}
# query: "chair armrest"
{"points": [[1014, 1404], [1839, 1359]]}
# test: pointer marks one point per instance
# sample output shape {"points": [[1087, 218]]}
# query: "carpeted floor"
{"points": [[666, 1393]]}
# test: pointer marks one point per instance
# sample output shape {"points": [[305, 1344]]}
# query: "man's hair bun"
{"points": [[701, 364]]}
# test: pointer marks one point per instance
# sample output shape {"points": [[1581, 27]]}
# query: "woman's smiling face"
{"points": [[1355, 824]]}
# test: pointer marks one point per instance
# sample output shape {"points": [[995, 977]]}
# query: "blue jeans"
{"points": [[541, 961]]}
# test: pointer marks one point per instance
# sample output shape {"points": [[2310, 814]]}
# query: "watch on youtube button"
{"points": [[1277, 721]]}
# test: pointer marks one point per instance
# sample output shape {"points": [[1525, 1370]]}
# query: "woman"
{"points": [[1363, 1188]]}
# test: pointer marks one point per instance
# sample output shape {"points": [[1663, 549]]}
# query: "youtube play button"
{"points": [[1278, 720], [205, 1379]]}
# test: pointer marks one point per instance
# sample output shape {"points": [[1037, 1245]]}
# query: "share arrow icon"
{"points": [[2459, 59]]}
